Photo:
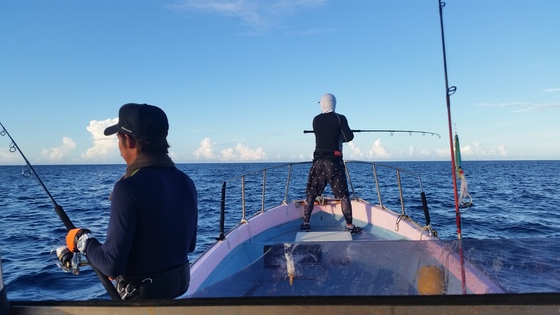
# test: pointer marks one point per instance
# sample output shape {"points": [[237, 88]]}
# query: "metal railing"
{"points": [[380, 183]]}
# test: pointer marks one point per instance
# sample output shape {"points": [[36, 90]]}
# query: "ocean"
{"points": [[514, 219]]}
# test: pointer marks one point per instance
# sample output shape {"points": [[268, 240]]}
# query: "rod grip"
{"points": [[425, 207]]}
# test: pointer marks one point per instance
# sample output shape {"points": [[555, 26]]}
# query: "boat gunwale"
{"points": [[508, 299]]}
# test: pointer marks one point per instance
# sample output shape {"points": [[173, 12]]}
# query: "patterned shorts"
{"points": [[329, 171]]}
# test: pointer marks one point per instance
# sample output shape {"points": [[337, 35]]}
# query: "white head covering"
{"points": [[328, 103]]}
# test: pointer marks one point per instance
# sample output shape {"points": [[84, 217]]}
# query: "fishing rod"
{"points": [[448, 92], [111, 290], [391, 131]]}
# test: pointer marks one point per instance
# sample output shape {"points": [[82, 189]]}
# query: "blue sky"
{"points": [[240, 80]]}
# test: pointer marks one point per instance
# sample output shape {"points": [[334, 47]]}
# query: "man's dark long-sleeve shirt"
{"points": [[331, 130], [152, 226]]}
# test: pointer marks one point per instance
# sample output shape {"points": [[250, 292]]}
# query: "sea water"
{"points": [[512, 228]]}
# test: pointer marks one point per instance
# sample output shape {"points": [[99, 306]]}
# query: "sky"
{"points": [[240, 80]]}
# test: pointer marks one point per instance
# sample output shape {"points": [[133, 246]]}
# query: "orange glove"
{"points": [[76, 239]]}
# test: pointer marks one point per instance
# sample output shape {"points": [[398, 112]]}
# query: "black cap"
{"points": [[142, 121]]}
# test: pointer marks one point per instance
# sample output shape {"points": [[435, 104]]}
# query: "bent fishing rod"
{"points": [[391, 131], [111, 290]]}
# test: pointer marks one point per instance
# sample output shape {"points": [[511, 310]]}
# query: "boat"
{"points": [[261, 262], [394, 255]]}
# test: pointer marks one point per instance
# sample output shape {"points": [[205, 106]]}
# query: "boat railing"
{"points": [[279, 184], [398, 173]]}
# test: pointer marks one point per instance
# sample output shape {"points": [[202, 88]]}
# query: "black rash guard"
{"points": [[331, 130], [152, 226]]}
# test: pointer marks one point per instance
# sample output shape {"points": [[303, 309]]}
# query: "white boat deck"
{"points": [[323, 236]]}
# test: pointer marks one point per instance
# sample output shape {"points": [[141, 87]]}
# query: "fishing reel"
{"points": [[69, 261]]}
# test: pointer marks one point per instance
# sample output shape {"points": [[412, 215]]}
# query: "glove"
{"points": [[76, 239]]}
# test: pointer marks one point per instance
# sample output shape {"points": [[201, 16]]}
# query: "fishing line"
{"points": [[111, 290]]}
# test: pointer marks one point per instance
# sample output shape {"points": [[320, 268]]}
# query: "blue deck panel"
{"points": [[253, 250]]}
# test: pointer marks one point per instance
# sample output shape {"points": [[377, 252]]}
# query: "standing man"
{"points": [[331, 130], [154, 213]]}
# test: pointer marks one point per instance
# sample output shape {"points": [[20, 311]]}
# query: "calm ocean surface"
{"points": [[514, 222]]}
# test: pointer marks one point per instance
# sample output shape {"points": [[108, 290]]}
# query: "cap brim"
{"points": [[111, 130]]}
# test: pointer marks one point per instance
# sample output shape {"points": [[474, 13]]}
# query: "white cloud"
{"points": [[258, 14], [246, 153], [103, 147], [502, 150], [241, 152], [411, 151], [467, 150], [477, 150], [377, 150], [227, 154], [205, 150], [58, 153], [523, 106], [442, 152], [173, 156], [355, 151], [8, 157]]}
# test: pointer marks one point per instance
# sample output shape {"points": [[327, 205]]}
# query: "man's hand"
{"points": [[76, 239]]}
